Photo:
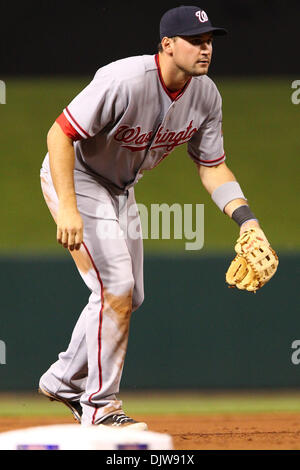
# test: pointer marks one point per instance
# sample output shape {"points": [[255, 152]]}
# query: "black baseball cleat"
{"points": [[122, 421], [74, 406]]}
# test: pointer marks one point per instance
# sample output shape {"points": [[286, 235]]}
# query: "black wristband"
{"points": [[242, 214]]}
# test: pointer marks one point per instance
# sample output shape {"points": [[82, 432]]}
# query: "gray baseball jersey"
{"points": [[128, 122], [124, 122]]}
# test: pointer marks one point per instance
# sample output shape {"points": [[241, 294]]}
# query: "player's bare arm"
{"points": [[212, 178], [61, 157], [256, 262]]}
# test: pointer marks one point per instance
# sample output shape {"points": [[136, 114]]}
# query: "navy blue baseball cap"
{"points": [[187, 21]]}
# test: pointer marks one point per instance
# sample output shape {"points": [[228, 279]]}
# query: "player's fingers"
{"points": [[71, 240], [64, 238], [78, 239], [59, 235]]}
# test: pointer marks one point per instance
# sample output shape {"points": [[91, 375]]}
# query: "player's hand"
{"points": [[253, 224], [249, 224], [69, 228]]}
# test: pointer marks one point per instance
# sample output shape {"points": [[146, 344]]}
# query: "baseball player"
{"points": [[128, 119]]}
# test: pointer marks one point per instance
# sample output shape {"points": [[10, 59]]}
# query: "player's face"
{"points": [[193, 54]]}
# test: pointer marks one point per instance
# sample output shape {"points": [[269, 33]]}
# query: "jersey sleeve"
{"points": [[67, 128], [96, 106], [206, 146]]}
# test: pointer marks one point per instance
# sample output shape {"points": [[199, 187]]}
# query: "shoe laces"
{"points": [[120, 419]]}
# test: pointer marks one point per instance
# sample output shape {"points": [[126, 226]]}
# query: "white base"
{"points": [[76, 437]]}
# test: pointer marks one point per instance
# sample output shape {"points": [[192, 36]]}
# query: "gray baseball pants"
{"points": [[111, 264]]}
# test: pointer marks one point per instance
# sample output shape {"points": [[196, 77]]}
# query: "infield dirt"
{"points": [[268, 431]]}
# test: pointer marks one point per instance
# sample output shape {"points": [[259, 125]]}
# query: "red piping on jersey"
{"points": [[212, 161], [68, 128], [174, 96], [82, 130], [99, 331]]}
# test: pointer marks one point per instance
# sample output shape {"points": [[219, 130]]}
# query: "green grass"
{"points": [[164, 403], [261, 133]]}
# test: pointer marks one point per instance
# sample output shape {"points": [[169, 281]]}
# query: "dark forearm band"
{"points": [[242, 214]]}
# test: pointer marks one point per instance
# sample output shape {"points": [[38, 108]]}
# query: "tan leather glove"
{"points": [[255, 263]]}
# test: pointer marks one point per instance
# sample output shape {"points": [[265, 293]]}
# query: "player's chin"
{"points": [[200, 69]]}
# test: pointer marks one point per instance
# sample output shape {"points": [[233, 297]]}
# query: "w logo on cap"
{"points": [[202, 16]]}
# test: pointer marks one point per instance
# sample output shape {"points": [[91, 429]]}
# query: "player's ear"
{"points": [[167, 44]]}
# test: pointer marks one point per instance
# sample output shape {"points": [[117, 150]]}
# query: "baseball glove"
{"points": [[255, 263]]}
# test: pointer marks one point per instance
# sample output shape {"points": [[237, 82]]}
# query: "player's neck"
{"points": [[174, 78]]}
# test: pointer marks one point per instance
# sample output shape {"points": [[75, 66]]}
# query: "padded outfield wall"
{"points": [[191, 332]]}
